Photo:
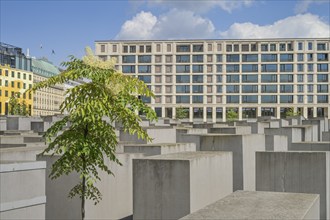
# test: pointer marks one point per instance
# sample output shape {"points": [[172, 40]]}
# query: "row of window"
{"points": [[229, 68], [322, 88], [187, 99], [230, 47], [15, 75], [14, 84], [236, 78], [6, 94], [229, 58]]}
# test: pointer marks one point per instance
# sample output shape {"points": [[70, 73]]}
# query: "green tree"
{"points": [[87, 138], [231, 115], [181, 113], [24, 109], [290, 112], [14, 105]]}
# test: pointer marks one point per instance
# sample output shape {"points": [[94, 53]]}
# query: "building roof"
{"points": [[44, 68]]}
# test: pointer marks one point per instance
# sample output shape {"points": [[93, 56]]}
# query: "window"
{"points": [[300, 57], [197, 79], [268, 57], [232, 78], [322, 57], [183, 48], [102, 48], [30, 77], [132, 49], [229, 48], [209, 79], [310, 88], [6, 83], [310, 67], [219, 48], [268, 67], [268, 88], [209, 58], [197, 99], [286, 57], [13, 74], [183, 68], [144, 69], [208, 112], [249, 78], [6, 72], [198, 48], [300, 67], [148, 49], [168, 69], [249, 68], [249, 99], [157, 47], [232, 68], [197, 68], [219, 68], [183, 89], [168, 58], [322, 99], [183, 58], [168, 99], [128, 69], [264, 47], [321, 46], [18, 75], [114, 48], [168, 47], [219, 78], [209, 68], [272, 47], [197, 88], [286, 67], [322, 78], [300, 78], [182, 79], [249, 57], [209, 47], [125, 49], [310, 78], [232, 89], [18, 85], [282, 47], [219, 89], [129, 59], [24, 75], [158, 59], [168, 79], [322, 67], [286, 88], [219, 58], [158, 79], [232, 98], [6, 93], [310, 99], [182, 99], [218, 99], [245, 47], [144, 58], [300, 88], [309, 57], [268, 99], [300, 98], [322, 88], [249, 88], [197, 58], [219, 113], [310, 46], [286, 99], [300, 45], [233, 58], [141, 49], [146, 79], [286, 78], [254, 47], [12, 84], [209, 89]]}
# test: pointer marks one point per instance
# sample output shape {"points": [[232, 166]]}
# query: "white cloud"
{"points": [[307, 25], [202, 6], [174, 24], [303, 5]]}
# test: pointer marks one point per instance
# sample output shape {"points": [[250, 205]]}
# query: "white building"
{"points": [[263, 77]]}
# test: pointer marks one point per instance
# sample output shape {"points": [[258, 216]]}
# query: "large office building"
{"points": [[263, 77], [15, 77], [47, 101]]}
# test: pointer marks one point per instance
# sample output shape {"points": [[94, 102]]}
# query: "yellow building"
{"points": [[15, 81]]}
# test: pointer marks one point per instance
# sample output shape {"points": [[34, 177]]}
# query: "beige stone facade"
{"points": [[263, 77]]}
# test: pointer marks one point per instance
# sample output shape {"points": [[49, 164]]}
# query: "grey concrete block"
{"points": [[22, 189], [299, 172], [243, 148], [261, 205], [232, 130], [311, 146], [326, 135], [156, 149], [171, 186], [21, 153], [276, 143]]}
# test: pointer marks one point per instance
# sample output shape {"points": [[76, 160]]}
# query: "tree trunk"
{"points": [[83, 198]]}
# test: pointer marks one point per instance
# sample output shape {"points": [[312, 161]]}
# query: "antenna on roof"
{"points": [[28, 52]]}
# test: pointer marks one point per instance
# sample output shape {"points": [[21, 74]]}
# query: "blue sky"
{"points": [[68, 26]]}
